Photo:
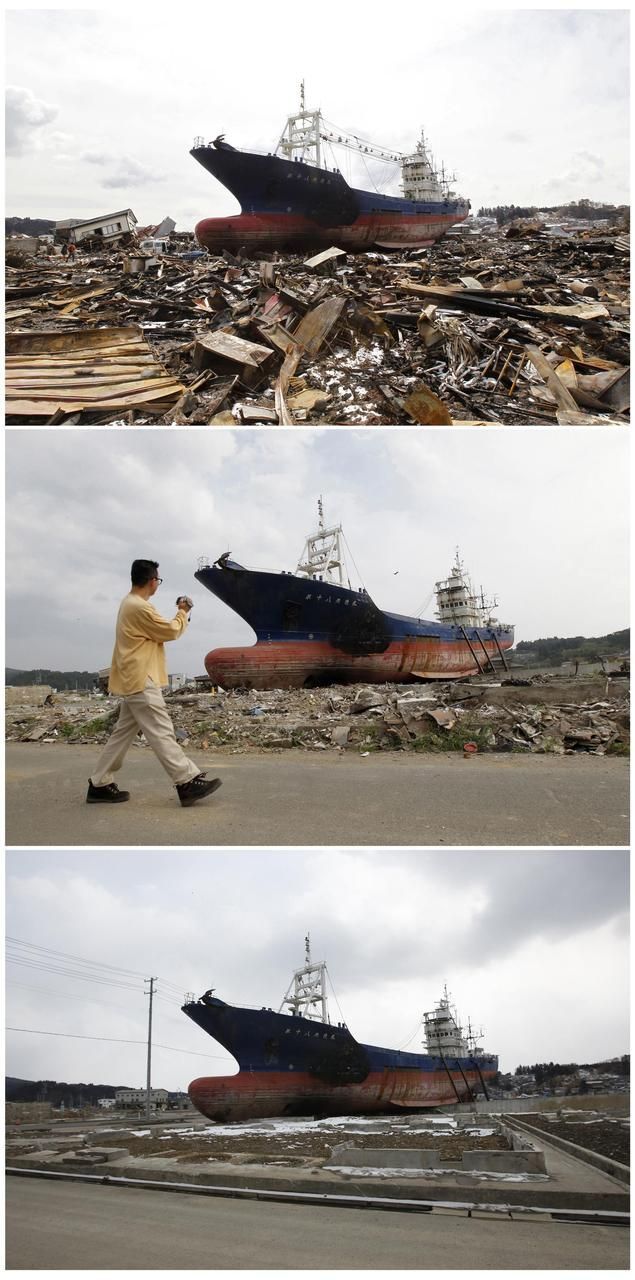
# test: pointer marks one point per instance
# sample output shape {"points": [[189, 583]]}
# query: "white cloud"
{"points": [[130, 173], [26, 117]]}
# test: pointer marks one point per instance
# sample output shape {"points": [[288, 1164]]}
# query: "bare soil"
{"points": [[289, 1148], [605, 1137]]}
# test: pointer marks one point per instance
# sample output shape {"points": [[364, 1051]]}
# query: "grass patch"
{"points": [[101, 724], [618, 749], [454, 739]]}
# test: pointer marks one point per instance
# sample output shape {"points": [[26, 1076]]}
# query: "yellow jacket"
{"points": [[139, 639]]}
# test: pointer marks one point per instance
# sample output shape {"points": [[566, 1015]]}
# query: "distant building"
{"points": [[177, 680], [106, 1103], [134, 1099], [179, 1101]]}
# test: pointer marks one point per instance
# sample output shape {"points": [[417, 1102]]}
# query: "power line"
{"points": [[67, 1035], [69, 973], [82, 961], [70, 995], [108, 1004], [34, 946]]}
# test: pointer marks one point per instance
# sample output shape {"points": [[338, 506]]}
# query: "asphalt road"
{"points": [[78, 1225], [316, 798]]}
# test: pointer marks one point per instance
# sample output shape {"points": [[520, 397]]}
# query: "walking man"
{"points": [[137, 674]]}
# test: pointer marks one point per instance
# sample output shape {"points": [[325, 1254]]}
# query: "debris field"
{"points": [[522, 324], [556, 715]]}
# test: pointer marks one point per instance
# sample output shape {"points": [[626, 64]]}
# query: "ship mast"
{"points": [[306, 993], [301, 137], [322, 555]]}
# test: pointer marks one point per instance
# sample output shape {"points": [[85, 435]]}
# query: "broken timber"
{"points": [[48, 373]]}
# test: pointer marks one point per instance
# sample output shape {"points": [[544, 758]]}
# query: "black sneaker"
{"points": [[106, 795], [197, 788]]}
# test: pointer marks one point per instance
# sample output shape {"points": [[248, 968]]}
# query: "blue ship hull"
{"points": [[290, 204], [309, 631], [293, 1065]]}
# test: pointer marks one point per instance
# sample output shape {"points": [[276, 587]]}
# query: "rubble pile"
{"points": [[544, 715], [514, 326]]}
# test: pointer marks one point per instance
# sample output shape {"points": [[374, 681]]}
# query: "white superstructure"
{"points": [[459, 604], [419, 178], [443, 1032]]}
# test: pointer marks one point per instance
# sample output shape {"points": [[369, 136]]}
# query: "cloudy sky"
{"points": [[528, 106], [532, 945], [540, 517]]}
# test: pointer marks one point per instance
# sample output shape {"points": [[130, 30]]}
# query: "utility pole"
{"points": [[149, 993]]}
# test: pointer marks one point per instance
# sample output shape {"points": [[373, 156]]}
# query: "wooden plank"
{"points": [[87, 358], [290, 364], [51, 373], [45, 341], [157, 401], [561, 395], [103, 395], [316, 325], [277, 335], [87, 374], [228, 347]]}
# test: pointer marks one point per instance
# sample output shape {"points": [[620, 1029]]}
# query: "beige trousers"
{"points": [[146, 711]]}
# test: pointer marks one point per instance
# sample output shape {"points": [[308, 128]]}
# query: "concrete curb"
{"points": [[471, 1208], [542, 1196]]}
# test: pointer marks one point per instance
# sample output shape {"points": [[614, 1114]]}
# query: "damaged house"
{"points": [[109, 229]]}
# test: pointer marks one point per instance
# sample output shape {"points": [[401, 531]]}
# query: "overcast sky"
{"points": [[529, 106], [540, 517], [532, 945]]}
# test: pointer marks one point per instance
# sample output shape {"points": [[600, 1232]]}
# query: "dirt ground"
{"points": [[606, 1137], [289, 1147]]}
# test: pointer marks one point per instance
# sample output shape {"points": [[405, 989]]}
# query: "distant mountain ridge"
{"points": [[57, 679], [57, 1091], [29, 226]]}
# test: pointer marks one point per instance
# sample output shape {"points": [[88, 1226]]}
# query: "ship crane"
{"points": [[352, 143]]}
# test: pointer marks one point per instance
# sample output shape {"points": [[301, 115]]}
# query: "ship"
{"points": [[290, 200], [296, 1062], [313, 628]]}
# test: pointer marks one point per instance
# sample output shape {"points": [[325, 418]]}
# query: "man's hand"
{"points": [[185, 604]]}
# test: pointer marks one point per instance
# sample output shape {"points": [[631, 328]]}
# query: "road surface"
{"points": [[319, 798], [79, 1225]]}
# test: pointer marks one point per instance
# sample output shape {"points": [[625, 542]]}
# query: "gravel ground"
{"points": [[606, 1137]]}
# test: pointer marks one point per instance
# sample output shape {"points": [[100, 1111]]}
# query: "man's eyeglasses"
{"points": [[156, 579]]}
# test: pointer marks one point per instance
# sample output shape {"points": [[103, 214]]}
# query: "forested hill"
{"points": [[556, 649], [57, 679]]}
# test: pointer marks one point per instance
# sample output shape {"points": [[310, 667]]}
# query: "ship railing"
{"points": [[201, 142]]}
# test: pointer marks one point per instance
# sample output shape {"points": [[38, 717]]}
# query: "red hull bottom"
{"points": [[258, 1094], [288, 231], [298, 664]]}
